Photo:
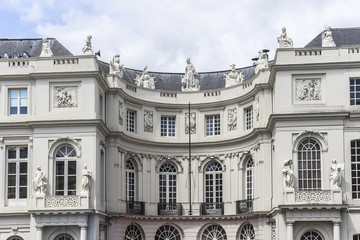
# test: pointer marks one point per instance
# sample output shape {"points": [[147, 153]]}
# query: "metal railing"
{"points": [[134, 207], [174, 209], [212, 208], [244, 206]]}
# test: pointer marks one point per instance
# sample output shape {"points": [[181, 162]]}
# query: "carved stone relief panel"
{"points": [[308, 89], [232, 119], [148, 121], [121, 112], [192, 123], [65, 96]]}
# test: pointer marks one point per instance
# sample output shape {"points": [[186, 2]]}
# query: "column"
{"points": [[39, 231], [83, 233], [289, 230], [336, 230]]}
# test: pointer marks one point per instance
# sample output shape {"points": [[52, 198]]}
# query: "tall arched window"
{"points": [[167, 183], [213, 183], [65, 171], [247, 232], [130, 181], [167, 232], [133, 233], [309, 164], [214, 232], [311, 235], [250, 179]]}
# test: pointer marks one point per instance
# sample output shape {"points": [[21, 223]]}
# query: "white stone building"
{"points": [[91, 150]]}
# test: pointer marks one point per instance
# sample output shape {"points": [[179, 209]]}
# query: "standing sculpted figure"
{"points": [[46, 50], [39, 182], [284, 41], [288, 174], [189, 82], [85, 182], [145, 80], [327, 39], [262, 61], [335, 176], [87, 48], [116, 68], [233, 77]]}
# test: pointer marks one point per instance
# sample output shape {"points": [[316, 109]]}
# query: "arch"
{"points": [[246, 232], [244, 159], [15, 238], [168, 232], [135, 158], [210, 159], [212, 231], [56, 144], [312, 235], [64, 236], [320, 137], [134, 232], [170, 159]]}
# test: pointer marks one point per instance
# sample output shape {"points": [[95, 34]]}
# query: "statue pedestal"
{"points": [[337, 196], [84, 199], [289, 196], [40, 200]]}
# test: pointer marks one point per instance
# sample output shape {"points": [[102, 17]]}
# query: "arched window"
{"points": [[250, 179], [214, 232], [64, 236], [133, 233], [311, 235], [167, 183], [15, 238], [309, 164], [167, 232], [130, 181], [247, 232], [65, 171], [6, 55], [213, 183]]}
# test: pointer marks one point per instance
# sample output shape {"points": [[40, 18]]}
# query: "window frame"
{"points": [[18, 161], [212, 125], [249, 176], [249, 118], [171, 180], [210, 182], [168, 126], [131, 123], [130, 172], [18, 100], [65, 175], [355, 172], [354, 91]]}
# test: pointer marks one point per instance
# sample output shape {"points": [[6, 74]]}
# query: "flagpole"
{"points": [[189, 131]]}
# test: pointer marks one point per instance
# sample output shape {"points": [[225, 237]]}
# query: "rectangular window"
{"points": [[168, 126], [248, 118], [130, 120], [17, 172], [18, 101], [355, 91], [356, 237], [212, 125], [355, 169]]}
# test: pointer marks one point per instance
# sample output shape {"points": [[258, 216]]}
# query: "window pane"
{"points": [[14, 93], [23, 93], [72, 183], [71, 167], [23, 110], [11, 180], [13, 102], [23, 192], [23, 152], [11, 193], [59, 183], [11, 168], [59, 168], [23, 180], [13, 110]]}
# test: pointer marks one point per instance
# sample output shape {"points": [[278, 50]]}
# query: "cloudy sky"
{"points": [[163, 33]]}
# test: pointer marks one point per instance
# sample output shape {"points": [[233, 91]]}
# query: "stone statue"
{"points": [[87, 48], [284, 41], [335, 176], [85, 182], [39, 182], [46, 50], [327, 39], [145, 80], [189, 82], [262, 61], [232, 119], [148, 121], [257, 109], [115, 66], [192, 126], [121, 112], [288, 174], [233, 77]]}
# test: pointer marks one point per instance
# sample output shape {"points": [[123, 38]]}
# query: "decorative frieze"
{"points": [[311, 52], [192, 125], [69, 201], [148, 121], [308, 89], [232, 119], [321, 196], [66, 61], [19, 64], [121, 112], [65, 96]]}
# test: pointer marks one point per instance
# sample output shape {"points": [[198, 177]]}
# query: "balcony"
{"points": [[313, 197], [244, 206], [62, 201], [170, 209], [134, 207], [212, 208]]}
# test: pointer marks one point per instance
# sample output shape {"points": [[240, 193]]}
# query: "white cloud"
{"points": [[163, 33]]}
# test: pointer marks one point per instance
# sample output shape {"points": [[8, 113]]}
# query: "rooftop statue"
{"points": [[262, 60], [87, 48], [46, 50], [115, 66], [145, 80], [284, 41], [327, 39], [233, 77], [189, 82]]}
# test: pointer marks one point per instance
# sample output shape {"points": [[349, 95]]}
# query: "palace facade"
{"points": [[91, 150]]}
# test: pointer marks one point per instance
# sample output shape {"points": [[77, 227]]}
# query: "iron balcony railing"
{"points": [[134, 207], [244, 206], [212, 208], [174, 209]]}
